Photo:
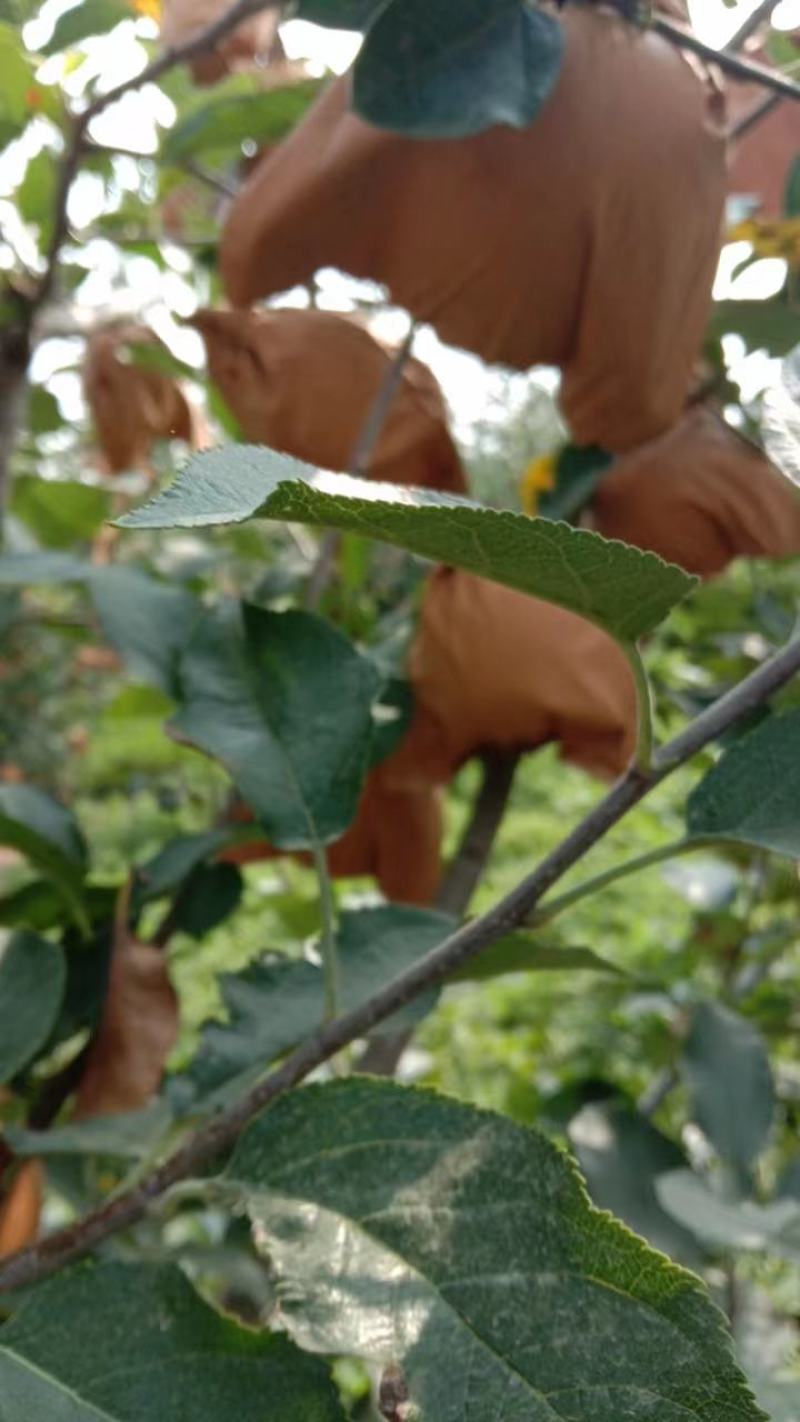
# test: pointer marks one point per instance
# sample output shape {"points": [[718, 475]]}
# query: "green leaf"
{"points": [[283, 701], [729, 1224], [339, 14], [59, 512], [148, 622], [36, 193], [27, 569], [405, 1227], [134, 1343], [780, 418], [274, 1004], [523, 953], [622, 1155], [791, 196], [579, 469], [752, 795], [90, 17], [131, 1135], [32, 981], [223, 123], [772, 326], [458, 67], [44, 413], [17, 78], [727, 1069], [620, 588], [49, 836], [168, 869], [212, 893]]}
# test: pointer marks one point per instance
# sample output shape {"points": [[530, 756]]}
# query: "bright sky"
{"points": [[468, 386]]}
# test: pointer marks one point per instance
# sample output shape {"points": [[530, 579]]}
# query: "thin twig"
{"points": [[436, 967], [471, 857], [731, 64], [749, 26], [360, 460], [753, 116], [382, 1054]]}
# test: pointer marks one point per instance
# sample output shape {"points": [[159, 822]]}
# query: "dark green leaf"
{"points": [[275, 1004], [283, 701], [222, 124], [457, 67], [130, 1135], [148, 622], [578, 471], [211, 894], [134, 1343], [622, 1154], [32, 979], [791, 197], [523, 953], [408, 1228], [728, 1073], [48, 835], [620, 588], [90, 17], [339, 14], [59, 512], [752, 795], [173, 864]]}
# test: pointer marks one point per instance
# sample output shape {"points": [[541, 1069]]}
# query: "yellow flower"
{"points": [[539, 478], [150, 8], [780, 238]]}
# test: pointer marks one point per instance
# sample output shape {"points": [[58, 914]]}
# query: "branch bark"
{"points": [[731, 64], [220, 1134]]}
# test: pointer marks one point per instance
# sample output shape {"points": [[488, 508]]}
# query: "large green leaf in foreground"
{"points": [[134, 1343], [412, 1229], [620, 588]]}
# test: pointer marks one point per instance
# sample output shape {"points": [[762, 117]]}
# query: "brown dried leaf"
{"points": [[138, 1030]]}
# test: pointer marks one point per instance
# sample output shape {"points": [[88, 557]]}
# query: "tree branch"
{"points": [[749, 26], [220, 1134], [741, 69]]}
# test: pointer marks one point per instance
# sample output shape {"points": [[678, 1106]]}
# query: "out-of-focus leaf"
{"points": [[273, 1004], [727, 1224], [458, 67], [140, 1345], [177, 860], [222, 123], [130, 1135], [340, 14], [622, 1154], [36, 193], [728, 1073], [148, 622], [90, 17], [578, 471], [212, 893], [791, 196], [620, 588], [48, 835], [408, 1228], [44, 415], [59, 512], [772, 326], [283, 701], [17, 79], [32, 979], [523, 953], [19, 570], [752, 795]]}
